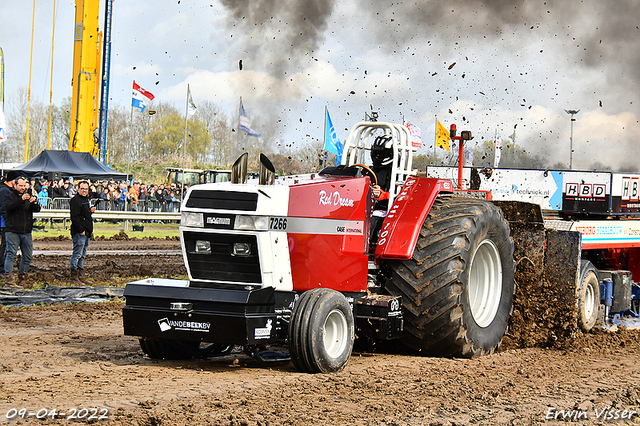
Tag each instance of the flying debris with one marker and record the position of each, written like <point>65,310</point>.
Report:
<point>452,65</point>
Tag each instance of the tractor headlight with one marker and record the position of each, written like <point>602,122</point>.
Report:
<point>203,247</point>
<point>192,219</point>
<point>251,223</point>
<point>242,249</point>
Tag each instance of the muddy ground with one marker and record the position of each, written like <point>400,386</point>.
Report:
<point>70,357</point>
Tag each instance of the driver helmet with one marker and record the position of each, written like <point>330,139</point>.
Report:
<point>382,150</point>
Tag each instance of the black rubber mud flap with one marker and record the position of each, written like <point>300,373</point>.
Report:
<point>178,349</point>
<point>461,241</point>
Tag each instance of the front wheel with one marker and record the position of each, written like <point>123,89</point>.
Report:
<point>457,289</point>
<point>321,331</point>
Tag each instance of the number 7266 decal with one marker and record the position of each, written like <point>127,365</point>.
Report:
<point>278,223</point>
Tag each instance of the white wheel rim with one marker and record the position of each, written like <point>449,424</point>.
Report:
<point>485,283</point>
<point>335,333</point>
<point>589,298</point>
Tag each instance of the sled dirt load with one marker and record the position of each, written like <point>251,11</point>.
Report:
<point>457,289</point>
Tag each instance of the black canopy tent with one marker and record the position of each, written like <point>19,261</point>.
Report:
<point>52,164</point>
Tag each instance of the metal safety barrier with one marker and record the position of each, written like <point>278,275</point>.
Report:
<point>111,205</point>
<point>110,215</point>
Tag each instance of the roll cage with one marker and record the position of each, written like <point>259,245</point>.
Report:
<point>358,145</point>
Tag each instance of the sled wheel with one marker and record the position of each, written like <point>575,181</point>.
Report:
<point>457,289</point>
<point>177,349</point>
<point>321,331</point>
<point>588,295</point>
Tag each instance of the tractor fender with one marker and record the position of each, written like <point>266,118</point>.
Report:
<point>401,227</point>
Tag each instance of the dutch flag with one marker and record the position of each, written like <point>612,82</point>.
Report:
<point>141,97</point>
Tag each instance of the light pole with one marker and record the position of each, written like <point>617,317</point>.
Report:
<point>571,112</point>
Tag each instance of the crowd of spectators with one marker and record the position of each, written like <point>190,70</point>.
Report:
<point>109,195</point>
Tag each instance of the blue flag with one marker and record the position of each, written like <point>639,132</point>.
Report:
<point>245,124</point>
<point>331,141</point>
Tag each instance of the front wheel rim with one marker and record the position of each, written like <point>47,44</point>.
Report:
<point>335,333</point>
<point>589,299</point>
<point>485,283</point>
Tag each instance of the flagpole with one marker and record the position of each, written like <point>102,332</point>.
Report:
<point>238,130</point>
<point>26,141</point>
<point>184,145</point>
<point>495,148</point>
<point>435,139</point>
<point>324,164</point>
<point>51,76</point>
<point>127,147</point>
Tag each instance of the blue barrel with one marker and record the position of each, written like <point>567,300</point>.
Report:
<point>606,290</point>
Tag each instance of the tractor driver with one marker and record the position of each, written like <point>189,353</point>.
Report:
<point>382,159</point>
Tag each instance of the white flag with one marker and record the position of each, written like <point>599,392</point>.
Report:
<point>468,158</point>
<point>496,160</point>
<point>245,123</point>
<point>191,107</point>
<point>415,132</point>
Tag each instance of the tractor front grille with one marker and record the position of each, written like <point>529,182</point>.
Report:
<point>223,200</point>
<point>221,265</point>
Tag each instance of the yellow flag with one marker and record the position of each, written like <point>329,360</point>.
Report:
<point>442,136</point>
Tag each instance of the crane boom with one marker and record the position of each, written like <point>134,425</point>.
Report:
<point>106,72</point>
<point>85,79</point>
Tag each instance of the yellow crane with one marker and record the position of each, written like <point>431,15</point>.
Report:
<point>86,81</point>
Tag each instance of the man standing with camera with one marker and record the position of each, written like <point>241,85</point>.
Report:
<point>81,230</point>
<point>19,206</point>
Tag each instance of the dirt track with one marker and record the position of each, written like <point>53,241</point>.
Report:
<point>75,356</point>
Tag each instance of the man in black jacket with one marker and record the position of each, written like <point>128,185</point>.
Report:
<point>81,230</point>
<point>19,206</point>
<point>5,188</point>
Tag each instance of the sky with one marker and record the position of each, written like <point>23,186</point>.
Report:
<point>488,66</point>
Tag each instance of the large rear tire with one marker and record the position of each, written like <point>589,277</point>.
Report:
<point>457,289</point>
<point>321,331</point>
<point>588,295</point>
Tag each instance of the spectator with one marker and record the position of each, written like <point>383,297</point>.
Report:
<point>114,196</point>
<point>104,198</point>
<point>5,188</point>
<point>58,190</point>
<point>173,202</point>
<point>20,207</point>
<point>143,198</point>
<point>81,230</point>
<point>93,191</point>
<point>166,197</point>
<point>71,191</point>
<point>122,199</point>
<point>153,199</point>
<point>160,197</point>
<point>35,184</point>
<point>132,196</point>
<point>43,197</point>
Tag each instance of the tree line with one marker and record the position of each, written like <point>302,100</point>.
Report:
<point>213,139</point>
